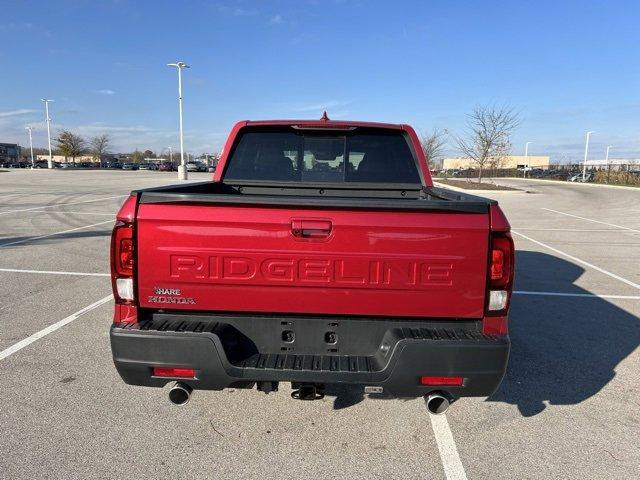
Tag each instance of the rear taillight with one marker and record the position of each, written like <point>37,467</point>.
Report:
<point>122,249</point>
<point>501,268</point>
<point>500,273</point>
<point>123,260</point>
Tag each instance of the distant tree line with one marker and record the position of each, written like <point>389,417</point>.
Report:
<point>72,145</point>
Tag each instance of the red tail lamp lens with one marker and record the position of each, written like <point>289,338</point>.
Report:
<point>442,381</point>
<point>501,261</point>
<point>126,254</point>
<point>497,264</point>
<point>123,250</point>
<point>174,372</point>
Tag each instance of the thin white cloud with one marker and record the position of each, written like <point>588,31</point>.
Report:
<point>21,111</point>
<point>235,11</point>
<point>276,20</point>
<point>106,91</point>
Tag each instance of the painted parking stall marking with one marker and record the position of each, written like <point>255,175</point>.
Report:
<point>591,220</point>
<point>579,260</point>
<point>453,468</point>
<point>51,328</point>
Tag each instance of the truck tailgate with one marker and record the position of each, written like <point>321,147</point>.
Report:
<point>229,258</point>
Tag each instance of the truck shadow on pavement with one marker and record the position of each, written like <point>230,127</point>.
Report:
<point>17,242</point>
<point>564,349</point>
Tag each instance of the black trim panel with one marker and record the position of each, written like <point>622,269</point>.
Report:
<point>404,351</point>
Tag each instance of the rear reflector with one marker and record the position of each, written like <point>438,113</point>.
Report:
<point>174,372</point>
<point>440,381</point>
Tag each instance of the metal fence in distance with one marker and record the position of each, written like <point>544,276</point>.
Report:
<point>612,174</point>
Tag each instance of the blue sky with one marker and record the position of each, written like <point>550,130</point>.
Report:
<point>567,66</point>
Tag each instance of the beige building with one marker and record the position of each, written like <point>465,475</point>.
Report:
<point>512,161</point>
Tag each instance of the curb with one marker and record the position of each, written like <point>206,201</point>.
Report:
<point>560,182</point>
<point>473,192</point>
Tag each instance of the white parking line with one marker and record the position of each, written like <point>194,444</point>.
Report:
<point>579,260</point>
<point>453,468</point>
<point>80,213</point>
<point>55,272</point>
<point>591,220</point>
<point>51,328</point>
<point>585,295</point>
<point>61,204</point>
<point>573,230</point>
<point>25,240</point>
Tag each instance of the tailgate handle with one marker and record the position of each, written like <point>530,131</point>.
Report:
<point>305,228</point>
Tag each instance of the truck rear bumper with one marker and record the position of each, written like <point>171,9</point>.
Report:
<point>237,351</point>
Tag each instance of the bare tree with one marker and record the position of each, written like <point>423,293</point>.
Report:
<point>100,146</point>
<point>433,143</point>
<point>488,136</point>
<point>70,145</point>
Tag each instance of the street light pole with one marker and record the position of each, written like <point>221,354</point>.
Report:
<point>48,119</point>
<point>586,152</point>
<point>170,154</point>
<point>182,169</point>
<point>607,156</point>
<point>526,159</point>
<point>29,128</point>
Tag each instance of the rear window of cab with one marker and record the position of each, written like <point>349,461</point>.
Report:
<point>290,155</point>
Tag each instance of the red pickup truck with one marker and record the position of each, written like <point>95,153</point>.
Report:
<point>320,254</point>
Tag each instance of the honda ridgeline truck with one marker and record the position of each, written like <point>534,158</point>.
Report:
<point>319,254</point>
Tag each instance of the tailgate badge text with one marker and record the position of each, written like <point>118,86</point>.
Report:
<point>171,296</point>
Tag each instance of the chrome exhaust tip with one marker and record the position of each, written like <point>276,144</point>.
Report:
<point>438,402</point>
<point>180,393</point>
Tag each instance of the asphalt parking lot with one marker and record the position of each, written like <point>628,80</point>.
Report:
<point>569,406</point>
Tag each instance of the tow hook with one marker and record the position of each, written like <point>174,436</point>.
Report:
<point>308,392</point>
<point>438,402</point>
<point>267,387</point>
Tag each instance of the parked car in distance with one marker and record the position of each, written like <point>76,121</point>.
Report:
<point>192,167</point>
<point>165,167</point>
<point>128,166</point>
<point>41,164</point>
<point>578,178</point>
<point>143,166</point>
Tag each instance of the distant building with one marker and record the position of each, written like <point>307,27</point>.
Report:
<point>9,152</point>
<point>510,162</point>
<point>616,164</point>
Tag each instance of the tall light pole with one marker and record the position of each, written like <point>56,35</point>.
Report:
<point>33,163</point>
<point>182,169</point>
<point>526,159</point>
<point>586,152</point>
<point>607,156</point>
<point>48,119</point>
<point>170,154</point>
